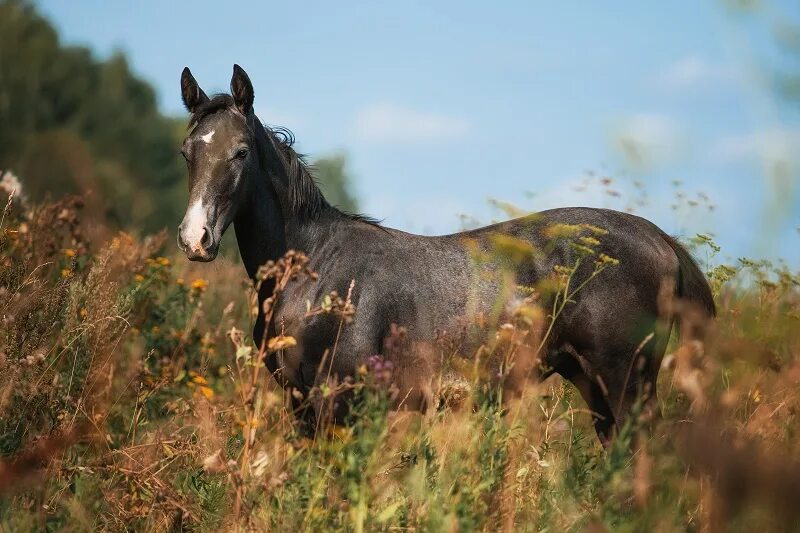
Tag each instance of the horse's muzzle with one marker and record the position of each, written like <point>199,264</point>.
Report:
<point>203,250</point>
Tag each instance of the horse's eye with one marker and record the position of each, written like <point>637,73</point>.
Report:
<point>241,153</point>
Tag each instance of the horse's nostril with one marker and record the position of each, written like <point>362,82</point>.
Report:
<point>181,242</point>
<point>205,242</point>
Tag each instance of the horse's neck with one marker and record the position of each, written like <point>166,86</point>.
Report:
<point>264,233</point>
<point>260,230</point>
<point>269,224</point>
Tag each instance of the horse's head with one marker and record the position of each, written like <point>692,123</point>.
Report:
<point>221,155</point>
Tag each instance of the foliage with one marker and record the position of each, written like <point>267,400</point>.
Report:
<point>133,400</point>
<point>335,182</point>
<point>72,123</point>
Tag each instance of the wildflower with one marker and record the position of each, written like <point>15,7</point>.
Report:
<point>260,464</point>
<point>281,342</point>
<point>197,378</point>
<point>589,241</point>
<point>138,278</point>
<point>607,260</point>
<point>582,250</point>
<point>163,261</point>
<point>755,395</point>
<point>179,281</point>
<point>82,312</point>
<point>554,231</point>
<point>65,272</point>
<point>199,285</point>
<point>595,229</point>
<point>215,463</point>
<point>380,368</point>
<point>208,392</point>
<point>505,332</point>
<point>10,184</point>
<point>69,252</point>
<point>155,330</point>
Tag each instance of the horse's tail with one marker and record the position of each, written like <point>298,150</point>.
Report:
<point>692,284</point>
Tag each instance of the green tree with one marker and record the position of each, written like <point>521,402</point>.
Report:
<point>335,182</point>
<point>73,123</point>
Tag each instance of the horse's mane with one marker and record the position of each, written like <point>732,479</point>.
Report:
<point>305,196</point>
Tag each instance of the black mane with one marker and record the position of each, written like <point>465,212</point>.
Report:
<point>306,198</point>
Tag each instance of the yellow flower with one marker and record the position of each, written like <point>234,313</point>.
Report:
<point>554,231</point>
<point>65,272</point>
<point>199,284</point>
<point>179,281</point>
<point>69,252</point>
<point>138,278</point>
<point>155,329</point>
<point>589,241</point>
<point>163,261</point>
<point>208,392</point>
<point>281,342</point>
<point>605,259</point>
<point>82,313</point>
<point>755,395</point>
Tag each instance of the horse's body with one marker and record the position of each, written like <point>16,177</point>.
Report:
<point>429,285</point>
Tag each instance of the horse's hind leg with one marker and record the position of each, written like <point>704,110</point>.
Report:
<point>593,394</point>
<point>631,388</point>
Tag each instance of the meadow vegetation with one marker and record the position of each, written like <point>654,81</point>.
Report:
<point>133,398</point>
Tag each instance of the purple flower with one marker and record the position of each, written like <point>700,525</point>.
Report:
<point>380,369</point>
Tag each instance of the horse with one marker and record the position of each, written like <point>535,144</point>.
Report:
<point>247,174</point>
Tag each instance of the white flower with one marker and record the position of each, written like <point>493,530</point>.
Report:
<point>11,185</point>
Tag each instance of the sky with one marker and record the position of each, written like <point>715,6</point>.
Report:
<point>447,109</point>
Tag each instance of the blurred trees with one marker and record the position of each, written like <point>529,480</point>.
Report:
<point>70,122</point>
<point>333,179</point>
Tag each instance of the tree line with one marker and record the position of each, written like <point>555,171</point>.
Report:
<point>73,123</point>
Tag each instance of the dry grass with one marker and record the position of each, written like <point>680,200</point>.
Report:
<point>131,399</point>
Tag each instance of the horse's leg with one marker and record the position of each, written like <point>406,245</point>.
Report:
<point>304,413</point>
<point>567,365</point>
<point>636,380</point>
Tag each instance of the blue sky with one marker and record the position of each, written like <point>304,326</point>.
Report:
<point>440,106</point>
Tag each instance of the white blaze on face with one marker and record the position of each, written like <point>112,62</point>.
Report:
<point>207,137</point>
<point>193,226</point>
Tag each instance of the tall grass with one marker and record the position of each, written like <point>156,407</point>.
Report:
<point>133,398</point>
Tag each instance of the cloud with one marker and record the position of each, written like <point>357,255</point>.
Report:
<point>386,122</point>
<point>770,145</point>
<point>648,138</point>
<point>693,72</point>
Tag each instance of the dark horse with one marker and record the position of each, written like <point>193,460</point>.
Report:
<point>242,172</point>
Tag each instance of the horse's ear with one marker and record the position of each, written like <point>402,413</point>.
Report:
<point>242,90</point>
<point>191,92</point>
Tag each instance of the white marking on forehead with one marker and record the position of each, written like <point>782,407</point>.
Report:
<point>208,136</point>
<point>193,225</point>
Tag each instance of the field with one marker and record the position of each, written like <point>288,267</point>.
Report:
<point>133,399</point>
